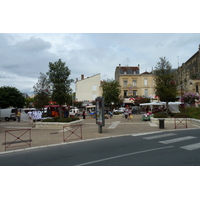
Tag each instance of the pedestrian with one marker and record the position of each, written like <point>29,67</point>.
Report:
<point>130,114</point>
<point>30,116</point>
<point>84,114</point>
<point>126,113</point>
<point>111,114</point>
<point>18,115</point>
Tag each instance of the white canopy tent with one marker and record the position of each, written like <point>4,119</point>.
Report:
<point>172,105</point>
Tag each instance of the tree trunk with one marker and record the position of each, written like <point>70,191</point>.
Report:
<point>167,108</point>
<point>60,111</point>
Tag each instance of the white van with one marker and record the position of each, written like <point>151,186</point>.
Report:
<point>74,112</point>
<point>8,114</point>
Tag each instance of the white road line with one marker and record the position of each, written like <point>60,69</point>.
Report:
<point>192,146</point>
<point>123,155</point>
<point>159,136</point>
<point>114,125</point>
<point>152,124</point>
<point>177,140</point>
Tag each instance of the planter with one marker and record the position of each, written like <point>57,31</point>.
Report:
<point>56,125</point>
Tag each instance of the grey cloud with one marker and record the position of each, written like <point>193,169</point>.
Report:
<point>33,44</point>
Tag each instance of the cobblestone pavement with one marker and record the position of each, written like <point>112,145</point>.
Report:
<point>41,137</point>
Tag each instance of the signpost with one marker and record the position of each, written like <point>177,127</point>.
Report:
<point>100,120</point>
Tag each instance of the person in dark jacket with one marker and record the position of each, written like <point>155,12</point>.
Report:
<point>83,114</point>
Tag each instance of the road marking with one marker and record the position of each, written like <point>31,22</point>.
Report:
<point>177,140</point>
<point>113,125</point>
<point>123,155</point>
<point>158,136</point>
<point>191,146</point>
<point>152,124</point>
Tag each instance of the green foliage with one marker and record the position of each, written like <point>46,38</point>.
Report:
<point>166,87</point>
<point>29,102</point>
<point>111,92</point>
<point>191,112</point>
<point>64,120</point>
<point>42,91</point>
<point>77,104</point>
<point>59,79</point>
<point>180,115</point>
<point>140,100</point>
<point>160,115</point>
<point>11,96</point>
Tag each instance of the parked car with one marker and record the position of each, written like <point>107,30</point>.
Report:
<point>74,112</point>
<point>120,110</point>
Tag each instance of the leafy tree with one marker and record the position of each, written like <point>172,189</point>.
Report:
<point>111,92</point>
<point>11,96</point>
<point>166,87</point>
<point>59,79</point>
<point>29,102</point>
<point>139,100</point>
<point>42,91</point>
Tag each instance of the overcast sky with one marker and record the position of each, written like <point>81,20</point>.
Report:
<point>26,47</point>
<point>24,56</point>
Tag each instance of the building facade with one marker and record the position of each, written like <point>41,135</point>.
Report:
<point>88,89</point>
<point>133,84</point>
<point>187,76</point>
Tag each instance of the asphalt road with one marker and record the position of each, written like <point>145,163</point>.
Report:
<point>167,148</point>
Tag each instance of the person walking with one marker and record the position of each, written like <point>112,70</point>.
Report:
<point>83,114</point>
<point>30,116</point>
<point>18,115</point>
<point>130,114</point>
<point>126,113</point>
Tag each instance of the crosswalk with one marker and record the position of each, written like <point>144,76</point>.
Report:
<point>176,139</point>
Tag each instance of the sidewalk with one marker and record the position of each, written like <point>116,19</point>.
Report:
<point>113,127</point>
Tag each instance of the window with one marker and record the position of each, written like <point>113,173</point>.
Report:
<point>134,82</point>
<point>146,93</point>
<point>129,71</point>
<point>121,71</point>
<point>145,82</point>
<point>134,93</point>
<point>125,83</point>
<point>125,93</point>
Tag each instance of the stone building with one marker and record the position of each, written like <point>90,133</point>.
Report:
<point>133,84</point>
<point>188,75</point>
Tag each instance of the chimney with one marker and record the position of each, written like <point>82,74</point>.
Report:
<point>119,65</point>
<point>82,76</point>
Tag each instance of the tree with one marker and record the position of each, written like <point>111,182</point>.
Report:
<point>11,96</point>
<point>111,92</point>
<point>166,87</point>
<point>42,91</point>
<point>59,79</point>
<point>139,100</point>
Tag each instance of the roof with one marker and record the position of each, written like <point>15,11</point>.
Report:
<point>126,68</point>
<point>147,73</point>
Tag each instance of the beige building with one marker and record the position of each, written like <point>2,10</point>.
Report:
<point>133,84</point>
<point>188,75</point>
<point>88,89</point>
